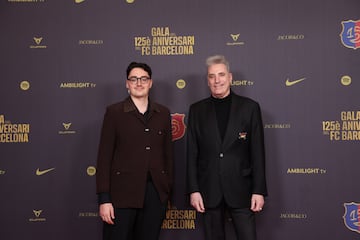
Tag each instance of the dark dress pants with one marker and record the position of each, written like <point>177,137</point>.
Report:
<point>138,223</point>
<point>243,220</point>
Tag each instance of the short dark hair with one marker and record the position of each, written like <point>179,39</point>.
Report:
<point>143,66</point>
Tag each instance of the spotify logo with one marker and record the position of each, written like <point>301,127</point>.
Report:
<point>24,85</point>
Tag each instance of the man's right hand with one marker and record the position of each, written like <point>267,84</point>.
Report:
<point>197,202</point>
<point>106,211</point>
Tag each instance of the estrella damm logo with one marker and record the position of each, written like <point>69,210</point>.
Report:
<point>350,34</point>
<point>178,126</point>
<point>352,216</point>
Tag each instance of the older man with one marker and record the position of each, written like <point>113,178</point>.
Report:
<point>225,156</point>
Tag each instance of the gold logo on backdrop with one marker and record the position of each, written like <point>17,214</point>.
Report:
<point>13,132</point>
<point>277,125</point>
<point>26,1</point>
<point>88,214</point>
<point>235,37</point>
<point>37,40</point>
<point>67,130</point>
<point>163,42</point>
<point>91,170</point>
<point>289,82</point>
<point>242,83</point>
<point>77,85</point>
<point>79,1</point>
<point>37,214</point>
<point>2,172</point>
<point>38,44</point>
<point>235,40</point>
<point>298,216</point>
<point>305,171</point>
<point>179,219</point>
<point>42,172</point>
<point>24,85</point>
<point>180,83</point>
<point>67,126</point>
<point>291,37</point>
<point>346,80</point>
<point>91,42</point>
<point>345,129</point>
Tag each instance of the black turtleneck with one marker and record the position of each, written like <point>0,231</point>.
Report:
<point>222,109</point>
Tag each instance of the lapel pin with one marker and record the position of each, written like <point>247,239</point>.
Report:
<point>242,135</point>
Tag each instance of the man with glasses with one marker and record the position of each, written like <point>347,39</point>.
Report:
<point>135,162</point>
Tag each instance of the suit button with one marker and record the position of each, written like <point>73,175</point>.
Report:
<point>147,148</point>
<point>147,130</point>
<point>221,155</point>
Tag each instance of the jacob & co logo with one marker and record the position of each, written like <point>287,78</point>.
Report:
<point>277,125</point>
<point>91,42</point>
<point>352,216</point>
<point>350,34</point>
<point>178,126</point>
<point>88,214</point>
<point>286,37</point>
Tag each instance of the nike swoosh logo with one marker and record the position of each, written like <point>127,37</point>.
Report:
<point>42,172</point>
<point>289,83</point>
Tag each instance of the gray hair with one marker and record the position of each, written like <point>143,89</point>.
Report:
<point>217,59</point>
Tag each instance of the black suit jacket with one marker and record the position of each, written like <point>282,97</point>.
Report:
<point>234,168</point>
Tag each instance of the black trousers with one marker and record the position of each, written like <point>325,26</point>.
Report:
<point>243,220</point>
<point>138,223</point>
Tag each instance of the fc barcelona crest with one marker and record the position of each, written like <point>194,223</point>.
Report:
<point>350,34</point>
<point>352,216</point>
<point>178,126</point>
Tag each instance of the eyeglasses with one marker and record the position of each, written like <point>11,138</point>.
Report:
<point>134,80</point>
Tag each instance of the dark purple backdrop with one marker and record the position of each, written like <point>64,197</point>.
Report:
<point>63,62</point>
